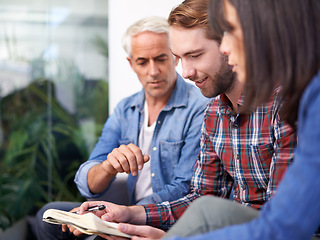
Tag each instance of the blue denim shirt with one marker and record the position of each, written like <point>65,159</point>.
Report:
<point>294,211</point>
<point>175,142</point>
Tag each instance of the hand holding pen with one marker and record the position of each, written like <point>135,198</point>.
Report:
<point>93,208</point>
<point>113,212</point>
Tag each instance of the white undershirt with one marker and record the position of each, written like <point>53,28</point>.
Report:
<point>143,185</point>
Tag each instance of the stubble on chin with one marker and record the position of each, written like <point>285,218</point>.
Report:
<point>223,80</point>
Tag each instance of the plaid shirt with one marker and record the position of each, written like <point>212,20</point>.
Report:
<point>250,151</point>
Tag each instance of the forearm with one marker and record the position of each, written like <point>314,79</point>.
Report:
<point>165,214</point>
<point>137,215</point>
<point>99,179</point>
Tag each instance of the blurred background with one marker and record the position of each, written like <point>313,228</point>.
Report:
<point>62,71</point>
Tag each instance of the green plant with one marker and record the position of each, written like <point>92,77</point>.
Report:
<point>42,149</point>
<point>101,45</point>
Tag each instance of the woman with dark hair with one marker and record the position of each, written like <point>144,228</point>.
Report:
<point>277,43</point>
<point>281,45</point>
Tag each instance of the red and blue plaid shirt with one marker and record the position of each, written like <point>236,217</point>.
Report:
<point>250,151</point>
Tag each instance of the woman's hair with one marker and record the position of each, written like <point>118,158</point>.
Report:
<point>193,14</point>
<point>150,24</point>
<point>282,46</point>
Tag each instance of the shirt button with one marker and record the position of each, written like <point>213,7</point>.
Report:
<point>238,156</point>
<point>243,187</point>
<point>154,148</point>
<point>159,122</point>
<point>152,174</point>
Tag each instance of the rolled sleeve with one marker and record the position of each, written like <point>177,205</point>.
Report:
<point>81,178</point>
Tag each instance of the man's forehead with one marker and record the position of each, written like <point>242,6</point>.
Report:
<point>200,31</point>
<point>150,48</point>
<point>148,41</point>
<point>149,56</point>
<point>187,41</point>
<point>148,36</point>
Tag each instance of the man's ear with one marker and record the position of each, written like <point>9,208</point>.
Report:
<point>130,62</point>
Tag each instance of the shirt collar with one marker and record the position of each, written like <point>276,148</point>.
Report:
<point>225,103</point>
<point>179,96</point>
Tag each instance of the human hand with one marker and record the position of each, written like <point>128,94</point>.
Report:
<point>72,229</point>
<point>95,210</point>
<point>112,212</point>
<point>126,158</point>
<point>139,232</point>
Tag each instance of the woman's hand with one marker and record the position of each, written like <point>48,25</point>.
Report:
<point>139,232</point>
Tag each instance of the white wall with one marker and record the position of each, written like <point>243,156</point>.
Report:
<point>122,13</point>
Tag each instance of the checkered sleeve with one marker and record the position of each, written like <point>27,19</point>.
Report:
<point>165,214</point>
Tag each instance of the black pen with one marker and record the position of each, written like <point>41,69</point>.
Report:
<point>93,208</point>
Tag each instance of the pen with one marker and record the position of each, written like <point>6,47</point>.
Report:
<point>93,208</point>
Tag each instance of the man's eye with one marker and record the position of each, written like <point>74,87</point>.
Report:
<point>162,59</point>
<point>195,56</point>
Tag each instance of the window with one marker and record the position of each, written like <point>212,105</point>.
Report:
<point>53,98</point>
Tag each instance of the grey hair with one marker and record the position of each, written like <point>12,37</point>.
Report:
<point>150,24</point>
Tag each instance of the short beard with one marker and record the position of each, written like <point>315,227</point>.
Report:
<point>223,79</point>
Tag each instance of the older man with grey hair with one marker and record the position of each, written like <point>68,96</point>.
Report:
<point>152,135</point>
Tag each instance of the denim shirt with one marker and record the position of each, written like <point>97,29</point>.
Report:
<point>174,148</point>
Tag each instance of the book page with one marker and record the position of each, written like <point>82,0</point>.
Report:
<point>87,223</point>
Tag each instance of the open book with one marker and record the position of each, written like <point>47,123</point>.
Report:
<point>87,223</point>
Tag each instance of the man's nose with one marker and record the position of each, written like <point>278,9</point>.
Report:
<point>154,69</point>
<point>188,70</point>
